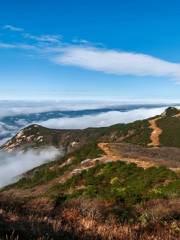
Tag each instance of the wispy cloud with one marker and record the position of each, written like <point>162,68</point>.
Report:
<point>81,53</point>
<point>13,28</point>
<point>7,45</point>
<point>41,44</point>
<point>44,38</point>
<point>21,46</point>
<point>118,62</point>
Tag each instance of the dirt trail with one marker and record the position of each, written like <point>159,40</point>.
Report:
<point>109,153</point>
<point>115,155</point>
<point>155,133</point>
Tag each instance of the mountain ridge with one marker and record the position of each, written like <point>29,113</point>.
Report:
<point>38,135</point>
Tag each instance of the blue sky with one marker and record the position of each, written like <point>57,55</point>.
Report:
<point>122,50</point>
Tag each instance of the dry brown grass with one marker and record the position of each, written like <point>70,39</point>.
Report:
<point>85,219</point>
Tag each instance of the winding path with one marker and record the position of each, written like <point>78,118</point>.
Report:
<point>155,133</point>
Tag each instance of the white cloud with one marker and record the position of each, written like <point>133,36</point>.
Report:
<point>41,38</point>
<point>102,119</point>
<point>118,62</point>
<point>21,122</point>
<point>5,129</point>
<point>13,165</point>
<point>18,46</point>
<point>3,140</point>
<point>44,38</point>
<point>13,28</point>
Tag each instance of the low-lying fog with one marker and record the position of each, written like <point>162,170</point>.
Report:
<point>13,165</point>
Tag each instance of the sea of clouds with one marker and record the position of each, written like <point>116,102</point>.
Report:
<point>102,119</point>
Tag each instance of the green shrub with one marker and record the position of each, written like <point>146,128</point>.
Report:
<point>126,183</point>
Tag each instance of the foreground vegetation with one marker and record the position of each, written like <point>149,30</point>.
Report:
<point>109,201</point>
<point>122,182</point>
<point>99,219</point>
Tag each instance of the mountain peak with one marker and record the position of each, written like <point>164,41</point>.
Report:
<point>171,111</point>
<point>31,136</point>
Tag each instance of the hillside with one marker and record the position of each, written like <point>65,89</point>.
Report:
<point>118,182</point>
<point>35,136</point>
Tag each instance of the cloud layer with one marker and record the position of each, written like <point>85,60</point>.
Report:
<point>102,119</point>
<point>13,108</point>
<point>12,166</point>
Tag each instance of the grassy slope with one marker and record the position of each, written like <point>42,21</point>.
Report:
<point>137,132</point>
<point>170,131</point>
<point>122,182</point>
